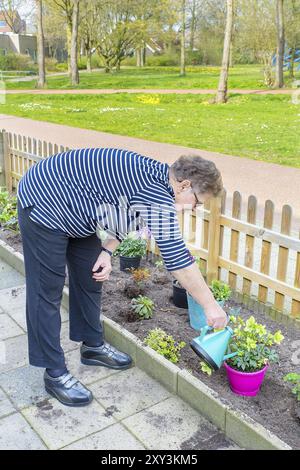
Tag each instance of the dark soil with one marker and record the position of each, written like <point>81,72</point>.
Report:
<point>274,407</point>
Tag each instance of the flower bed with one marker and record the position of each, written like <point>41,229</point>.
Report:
<point>274,407</point>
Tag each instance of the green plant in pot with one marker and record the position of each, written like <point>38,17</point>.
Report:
<point>256,348</point>
<point>131,251</point>
<point>164,344</point>
<point>221,292</point>
<point>143,307</point>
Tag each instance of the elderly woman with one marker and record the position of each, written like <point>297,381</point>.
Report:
<point>62,201</point>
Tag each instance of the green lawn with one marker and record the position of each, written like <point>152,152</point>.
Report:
<point>259,127</point>
<point>246,77</point>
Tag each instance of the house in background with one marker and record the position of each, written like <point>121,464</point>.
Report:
<point>13,37</point>
<point>18,44</point>
<point>12,23</point>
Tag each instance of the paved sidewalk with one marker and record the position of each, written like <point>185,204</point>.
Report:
<point>264,180</point>
<point>130,409</point>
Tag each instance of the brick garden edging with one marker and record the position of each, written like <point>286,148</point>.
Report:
<point>236,425</point>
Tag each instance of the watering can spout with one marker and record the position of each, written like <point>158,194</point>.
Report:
<point>228,356</point>
<point>212,348</point>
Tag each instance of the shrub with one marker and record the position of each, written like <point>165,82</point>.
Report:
<point>17,62</point>
<point>294,379</point>
<point>163,60</point>
<point>164,344</point>
<point>254,345</point>
<point>131,247</point>
<point>220,290</point>
<point>8,211</point>
<point>97,62</point>
<point>143,307</point>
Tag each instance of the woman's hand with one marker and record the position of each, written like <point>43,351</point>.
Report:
<point>216,316</point>
<point>103,265</point>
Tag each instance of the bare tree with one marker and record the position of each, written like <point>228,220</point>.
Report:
<point>66,9</point>
<point>88,29</point>
<point>9,9</point>
<point>183,28</point>
<point>40,45</point>
<point>74,44</point>
<point>116,32</point>
<point>221,96</point>
<point>279,79</point>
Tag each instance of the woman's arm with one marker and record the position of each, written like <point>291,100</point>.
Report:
<point>192,280</point>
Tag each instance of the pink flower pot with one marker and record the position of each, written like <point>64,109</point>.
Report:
<point>245,383</point>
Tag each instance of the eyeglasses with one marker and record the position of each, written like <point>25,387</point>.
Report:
<point>198,203</point>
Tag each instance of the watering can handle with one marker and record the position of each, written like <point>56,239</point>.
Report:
<point>204,330</point>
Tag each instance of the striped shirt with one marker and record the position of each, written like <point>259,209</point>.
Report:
<point>82,190</point>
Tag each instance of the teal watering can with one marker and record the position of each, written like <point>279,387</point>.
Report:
<point>212,348</point>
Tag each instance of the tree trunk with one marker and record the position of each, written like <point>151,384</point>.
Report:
<point>69,46</point>
<point>221,96</point>
<point>193,24</point>
<point>292,60</point>
<point>279,80</point>
<point>89,60</point>
<point>74,45</point>
<point>182,54</point>
<point>138,57</point>
<point>40,45</point>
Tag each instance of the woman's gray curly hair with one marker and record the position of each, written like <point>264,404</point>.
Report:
<point>203,174</point>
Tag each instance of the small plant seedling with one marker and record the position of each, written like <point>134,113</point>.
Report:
<point>220,290</point>
<point>294,379</point>
<point>140,275</point>
<point>206,369</point>
<point>143,307</point>
<point>159,263</point>
<point>164,344</point>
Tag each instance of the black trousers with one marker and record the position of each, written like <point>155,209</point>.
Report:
<point>46,254</point>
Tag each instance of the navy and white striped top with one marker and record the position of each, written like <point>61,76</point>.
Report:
<point>115,190</point>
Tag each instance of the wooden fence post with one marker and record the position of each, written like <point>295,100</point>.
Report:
<point>7,161</point>
<point>214,239</point>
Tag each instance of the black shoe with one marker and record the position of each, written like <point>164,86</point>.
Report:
<point>105,355</point>
<point>68,390</point>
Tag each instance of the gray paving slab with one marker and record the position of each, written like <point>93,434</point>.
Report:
<point>9,277</point>
<point>6,406</point>
<point>115,437</point>
<point>59,425</point>
<point>16,434</point>
<point>9,328</point>
<point>169,425</point>
<point>13,297</point>
<point>13,353</point>
<point>24,386</point>
<point>128,392</point>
